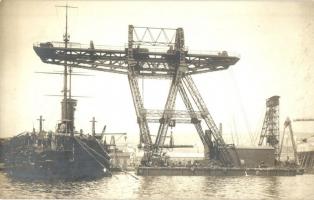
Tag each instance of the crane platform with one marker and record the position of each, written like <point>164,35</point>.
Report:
<point>215,171</point>
<point>152,63</point>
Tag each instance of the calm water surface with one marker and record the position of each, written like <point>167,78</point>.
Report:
<point>123,186</point>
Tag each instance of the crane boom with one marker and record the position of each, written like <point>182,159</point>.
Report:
<point>155,64</point>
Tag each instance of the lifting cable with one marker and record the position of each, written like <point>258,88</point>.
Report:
<point>232,138</point>
<point>234,125</point>
<point>239,100</point>
<point>143,90</point>
<point>258,128</point>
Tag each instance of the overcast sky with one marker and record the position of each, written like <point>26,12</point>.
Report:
<point>274,39</point>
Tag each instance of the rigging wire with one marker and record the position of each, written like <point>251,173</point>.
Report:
<point>59,26</point>
<point>239,100</point>
<point>171,139</point>
<point>232,138</point>
<point>60,19</point>
<point>258,128</point>
<point>235,130</point>
<point>143,90</point>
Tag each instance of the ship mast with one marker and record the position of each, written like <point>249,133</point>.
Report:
<point>65,80</point>
<point>67,113</point>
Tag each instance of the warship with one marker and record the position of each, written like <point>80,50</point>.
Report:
<point>62,154</point>
<point>55,155</point>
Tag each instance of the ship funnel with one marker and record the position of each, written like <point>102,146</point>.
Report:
<point>68,109</point>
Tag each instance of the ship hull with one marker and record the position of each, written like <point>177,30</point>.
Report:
<point>81,159</point>
<point>43,173</point>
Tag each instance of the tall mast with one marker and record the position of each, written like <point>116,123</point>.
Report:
<point>66,46</point>
<point>65,80</point>
<point>41,120</point>
<point>66,97</point>
<point>93,127</point>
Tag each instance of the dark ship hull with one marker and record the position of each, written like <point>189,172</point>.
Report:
<point>65,157</point>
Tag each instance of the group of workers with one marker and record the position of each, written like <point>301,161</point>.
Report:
<point>43,140</point>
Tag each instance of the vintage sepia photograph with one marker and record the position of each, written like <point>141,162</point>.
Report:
<point>156,99</point>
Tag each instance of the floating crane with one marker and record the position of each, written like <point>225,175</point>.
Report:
<point>140,59</point>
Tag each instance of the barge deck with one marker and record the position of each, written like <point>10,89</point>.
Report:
<point>221,171</point>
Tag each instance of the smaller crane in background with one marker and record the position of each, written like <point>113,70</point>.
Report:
<point>288,125</point>
<point>270,129</point>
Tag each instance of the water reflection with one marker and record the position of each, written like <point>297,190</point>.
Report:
<point>271,186</point>
<point>217,187</point>
<point>123,186</point>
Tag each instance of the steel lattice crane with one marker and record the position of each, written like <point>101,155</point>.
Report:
<point>270,129</point>
<point>140,60</point>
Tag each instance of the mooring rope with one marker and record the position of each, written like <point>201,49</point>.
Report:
<point>91,149</point>
<point>102,148</point>
<point>84,147</point>
<point>90,153</point>
<point>130,174</point>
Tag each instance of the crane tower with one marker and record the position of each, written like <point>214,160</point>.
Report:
<point>270,129</point>
<point>140,59</point>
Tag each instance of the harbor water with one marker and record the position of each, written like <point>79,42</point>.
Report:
<point>126,186</point>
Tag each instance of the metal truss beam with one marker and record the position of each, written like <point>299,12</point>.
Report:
<point>150,113</point>
<point>224,153</point>
<point>195,119</point>
<point>180,70</point>
<point>145,136</point>
<point>153,64</point>
<point>174,120</point>
<point>153,36</point>
<point>166,119</point>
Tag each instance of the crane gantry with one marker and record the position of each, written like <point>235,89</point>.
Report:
<point>140,59</point>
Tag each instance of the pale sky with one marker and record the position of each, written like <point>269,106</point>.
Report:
<point>274,39</point>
